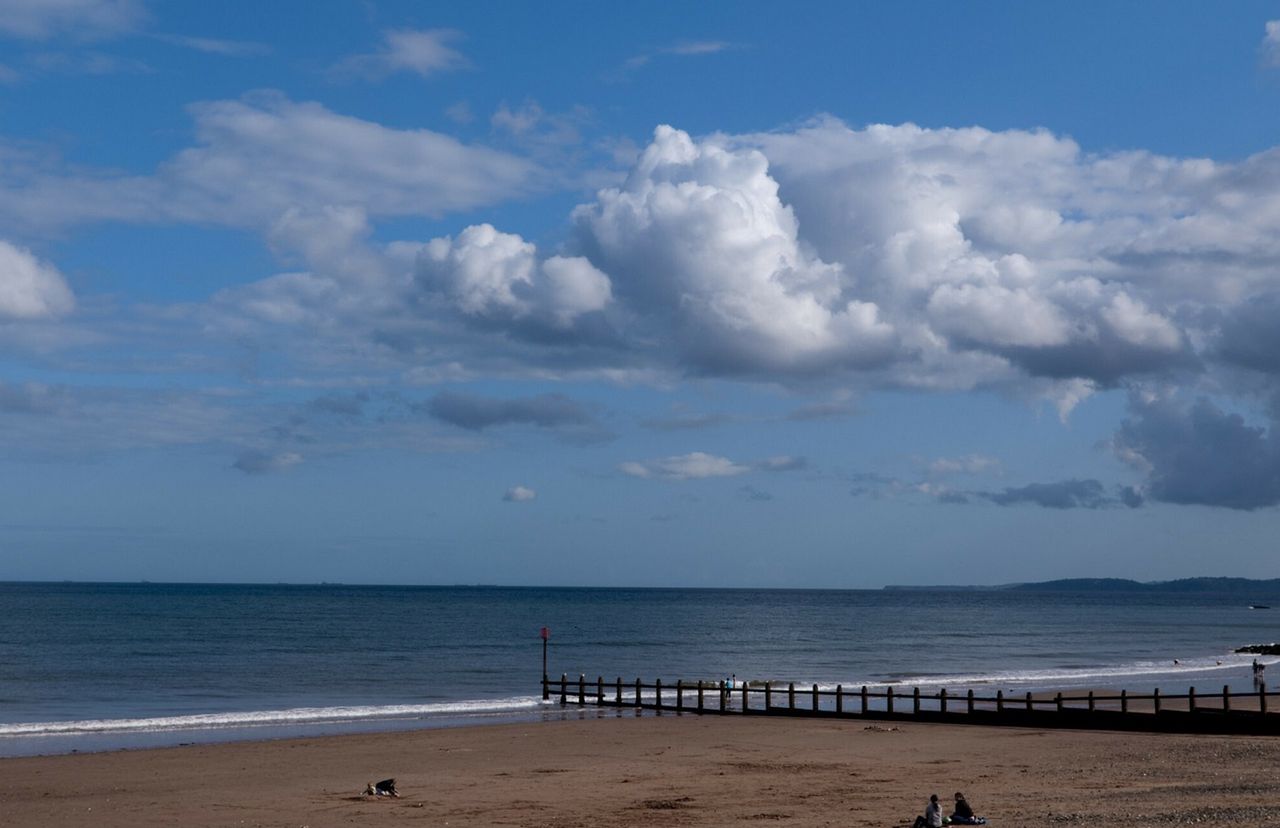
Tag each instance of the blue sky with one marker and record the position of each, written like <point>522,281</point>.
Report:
<point>717,294</point>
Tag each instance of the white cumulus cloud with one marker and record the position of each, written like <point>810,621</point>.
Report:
<point>698,240</point>
<point>487,273</point>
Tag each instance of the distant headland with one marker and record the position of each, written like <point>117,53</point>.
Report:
<point>1234,585</point>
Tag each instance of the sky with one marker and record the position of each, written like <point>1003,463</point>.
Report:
<point>717,294</point>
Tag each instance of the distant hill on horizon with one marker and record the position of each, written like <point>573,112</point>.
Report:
<point>1204,584</point>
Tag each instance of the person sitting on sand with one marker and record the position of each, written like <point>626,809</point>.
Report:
<point>932,815</point>
<point>964,813</point>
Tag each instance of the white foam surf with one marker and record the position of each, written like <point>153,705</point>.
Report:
<point>273,718</point>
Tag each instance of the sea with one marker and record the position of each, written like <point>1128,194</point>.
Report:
<point>92,667</point>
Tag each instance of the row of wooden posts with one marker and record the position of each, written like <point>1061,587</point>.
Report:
<point>1231,712</point>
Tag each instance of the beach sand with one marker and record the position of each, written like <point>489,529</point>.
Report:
<point>661,771</point>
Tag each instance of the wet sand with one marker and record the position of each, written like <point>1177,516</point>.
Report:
<point>660,771</point>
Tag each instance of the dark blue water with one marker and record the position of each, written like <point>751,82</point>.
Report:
<point>86,666</point>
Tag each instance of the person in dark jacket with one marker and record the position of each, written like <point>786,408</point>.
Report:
<point>964,814</point>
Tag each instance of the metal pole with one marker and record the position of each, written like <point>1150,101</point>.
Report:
<point>545,632</point>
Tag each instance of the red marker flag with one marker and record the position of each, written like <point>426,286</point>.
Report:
<point>546,633</point>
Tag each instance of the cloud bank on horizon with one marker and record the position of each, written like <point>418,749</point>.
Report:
<point>822,260</point>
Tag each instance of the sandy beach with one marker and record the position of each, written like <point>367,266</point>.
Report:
<point>667,770</point>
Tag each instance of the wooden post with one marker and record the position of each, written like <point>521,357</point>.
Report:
<point>700,705</point>
<point>970,699</point>
<point>1191,700</point>
<point>599,691</point>
<point>637,700</point>
<point>1090,701</point>
<point>746,698</point>
<point>679,694</point>
<point>839,698</point>
<point>582,689</point>
<point>657,695</point>
<point>815,698</point>
<point>999,701</point>
<point>942,700</point>
<point>564,682</point>
<point>546,687</point>
<point>1057,701</point>
<point>915,700</point>
<point>617,692</point>
<point>864,699</point>
<point>1262,699</point>
<point>888,699</point>
<point>1028,701</point>
<point>1124,701</point>
<point>768,694</point>
<point>1155,699</point>
<point>791,695</point>
<point>724,695</point>
<point>1226,699</point>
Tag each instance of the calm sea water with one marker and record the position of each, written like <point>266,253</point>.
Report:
<point>94,666</point>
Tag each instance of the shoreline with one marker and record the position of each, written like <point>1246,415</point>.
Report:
<point>101,735</point>
<point>660,770</point>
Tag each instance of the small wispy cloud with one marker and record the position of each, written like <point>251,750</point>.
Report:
<point>697,47</point>
<point>519,494</point>
<point>967,464</point>
<point>1064,494</point>
<point>823,411</point>
<point>460,113</point>
<point>686,422</point>
<point>214,46</point>
<point>83,19</point>
<point>683,48</point>
<point>422,52</point>
<point>699,465</point>
<point>85,63</point>
<point>695,465</point>
<point>1271,43</point>
<point>782,462</point>
<point>477,413</point>
<point>261,462</point>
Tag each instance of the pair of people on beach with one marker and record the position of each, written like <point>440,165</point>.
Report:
<point>963,814</point>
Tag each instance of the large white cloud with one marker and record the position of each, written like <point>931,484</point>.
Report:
<point>884,256</point>
<point>698,241</point>
<point>1019,246</point>
<point>30,288</point>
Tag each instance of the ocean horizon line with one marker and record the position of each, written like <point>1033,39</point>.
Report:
<point>1081,583</point>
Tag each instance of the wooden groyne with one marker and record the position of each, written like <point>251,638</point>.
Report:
<point>1251,713</point>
